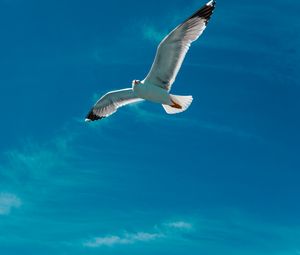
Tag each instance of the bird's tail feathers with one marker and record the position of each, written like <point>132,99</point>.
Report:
<point>181,104</point>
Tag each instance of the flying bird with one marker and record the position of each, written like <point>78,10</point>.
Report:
<point>157,84</point>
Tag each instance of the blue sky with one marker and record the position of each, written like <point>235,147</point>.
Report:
<point>222,177</point>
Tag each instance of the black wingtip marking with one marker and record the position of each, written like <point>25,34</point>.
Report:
<point>92,116</point>
<point>205,12</point>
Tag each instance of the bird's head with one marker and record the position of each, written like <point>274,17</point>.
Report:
<point>136,82</point>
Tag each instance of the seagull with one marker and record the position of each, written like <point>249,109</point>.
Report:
<point>157,84</point>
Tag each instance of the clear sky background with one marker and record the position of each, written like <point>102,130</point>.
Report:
<point>220,178</point>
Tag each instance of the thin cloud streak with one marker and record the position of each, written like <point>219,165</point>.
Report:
<point>128,238</point>
<point>34,160</point>
<point>167,230</point>
<point>8,201</point>
<point>182,225</point>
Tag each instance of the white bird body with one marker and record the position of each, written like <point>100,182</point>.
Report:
<point>157,84</point>
<point>151,92</point>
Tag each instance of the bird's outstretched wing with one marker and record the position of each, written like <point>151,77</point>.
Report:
<point>173,48</point>
<point>110,102</point>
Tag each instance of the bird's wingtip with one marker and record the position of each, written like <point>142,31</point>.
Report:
<point>92,117</point>
<point>211,3</point>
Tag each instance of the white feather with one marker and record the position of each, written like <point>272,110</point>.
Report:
<point>173,48</point>
<point>110,102</point>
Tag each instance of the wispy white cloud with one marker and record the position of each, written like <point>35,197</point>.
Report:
<point>127,238</point>
<point>181,225</point>
<point>8,201</point>
<point>230,225</point>
<point>166,230</point>
<point>35,160</point>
